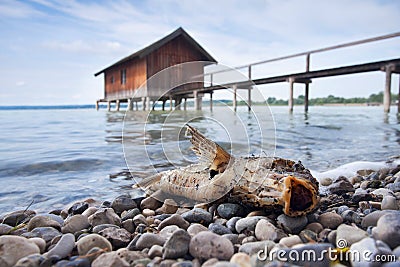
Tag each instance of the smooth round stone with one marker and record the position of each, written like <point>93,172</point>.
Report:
<point>63,248</point>
<point>167,231</point>
<point>330,220</point>
<point>90,241</point>
<point>131,256</point>
<point>97,229</point>
<point>383,192</point>
<point>148,212</point>
<point>350,234</point>
<point>46,233</point>
<point>315,227</point>
<point>130,214</point>
<point>39,242</point>
<point>332,237</point>
<point>206,245</point>
<point>229,210</point>
<point>341,209</point>
<point>168,207</point>
<point>231,223</point>
<point>219,229</point>
<point>389,203</point>
<point>147,240</point>
<point>5,229</point>
<point>177,245</point>
<point>42,221</point>
<point>93,253</point>
<point>248,223</point>
<point>255,247</point>
<point>155,251</point>
<point>308,236</point>
<point>122,203</point>
<point>372,218</point>
<point>110,259</point>
<point>351,216</point>
<point>292,225</point>
<point>32,260</point>
<point>388,229</point>
<point>139,219</point>
<point>17,217</point>
<point>241,259</point>
<point>182,264</point>
<point>196,228</point>
<point>210,262</point>
<point>369,247</point>
<point>129,225</point>
<point>267,231</point>
<point>319,249</point>
<point>395,187</point>
<point>104,216</point>
<point>234,238</point>
<point>290,241</point>
<point>326,181</point>
<point>198,215</point>
<point>90,211</point>
<point>119,237</point>
<point>341,186</point>
<point>175,219</point>
<point>14,248</point>
<point>150,203</point>
<point>75,223</point>
<point>78,208</point>
<point>249,239</point>
<point>74,262</point>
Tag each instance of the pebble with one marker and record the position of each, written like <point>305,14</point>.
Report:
<point>241,259</point>
<point>14,248</point>
<point>255,247</point>
<point>122,203</point>
<point>290,241</point>
<point>42,221</point>
<point>110,259</point>
<point>234,238</point>
<point>46,233</point>
<point>147,240</point>
<point>197,215</point>
<point>265,230</point>
<point>387,229</point>
<point>5,229</point>
<point>382,192</point>
<point>326,181</point>
<point>210,262</point>
<point>101,227</point>
<point>150,203</point>
<point>330,220</point>
<point>319,249</point>
<point>395,187</point>
<point>130,256</point>
<point>196,228</point>
<point>63,248</point>
<point>175,219</point>
<point>155,251</point>
<point>40,243</point>
<point>389,203</point>
<point>17,217</point>
<point>229,210</point>
<point>351,234</point>
<point>369,247</point>
<point>90,211</point>
<point>104,216</point>
<point>340,186</point>
<point>148,212</point>
<point>168,207</point>
<point>315,227</point>
<point>32,260</point>
<point>292,225</point>
<point>351,216</point>
<point>219,229</point>
<point>206,245</point>
<point>130,214</point>
<point>75,223</point>
<point>74,262</point>
<point>372,218</point>
<point>248,223</point>
<point>308,236</point>
<point>231,223</point>
<point>139,219</point>
<point>167,231</point>
<point>90,241</point>
<point>177,245</point>
<point>119,237</point>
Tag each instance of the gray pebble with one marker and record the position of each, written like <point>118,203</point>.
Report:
<point>340,186</point>
<point>231,223</point>
<point>14,248</point>
<point>129,214</point>
<point>177,245</point>
<point>367,246</point>
<point>90,241</point>
<point>122,203</point>
<point>372,218</point>
<point>46,233</point>
<point>330,220</point>
<point>101,227</point>
<point>255,247</point>
<point>229,210</point>
<point>389,203</point>
<point>267,231</point>
<point>219,229</point>
<point>118,237</point>
<point>175,219</point>
<point>63,248</point>
<point>206,245</point>
<point>104,216</point>
<point>150,203</point>
<point>387,229</point>
<point>292,225</point>
<point>17,217</point>
<point>110,259</point>
<point>198,215</point>
<point>43,221</point>
<point>395,187</point>
<point>248,223</point>
<point>75,223</point>
<point>147,240</point>
<point>318,248</point>
<point>351,216</point>
<point>32,260</point>
<point>350,234</point>
<point>196,228</point>
<point>155,251</point>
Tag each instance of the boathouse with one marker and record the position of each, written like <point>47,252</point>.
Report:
<point>127,80</point>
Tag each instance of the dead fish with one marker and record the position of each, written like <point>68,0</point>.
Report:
<point>269,183</point>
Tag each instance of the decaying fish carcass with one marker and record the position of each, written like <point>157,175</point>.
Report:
<point>263,182</point>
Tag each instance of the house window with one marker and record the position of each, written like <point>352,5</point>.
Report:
<point>112,79</point>
<point>123,76</point>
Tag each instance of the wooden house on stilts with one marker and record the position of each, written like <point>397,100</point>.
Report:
<point>131,79</point>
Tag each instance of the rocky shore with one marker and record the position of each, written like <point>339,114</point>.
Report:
<point>358,214</point>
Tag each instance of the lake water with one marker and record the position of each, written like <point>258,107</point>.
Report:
<point>56,156</point>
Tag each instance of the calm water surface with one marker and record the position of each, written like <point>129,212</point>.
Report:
<point>55,157</point>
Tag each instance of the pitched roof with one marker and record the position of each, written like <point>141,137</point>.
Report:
<point>147,50</point>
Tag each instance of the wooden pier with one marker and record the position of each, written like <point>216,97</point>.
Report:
<point>177,95</point>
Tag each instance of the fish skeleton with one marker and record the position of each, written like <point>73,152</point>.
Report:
<point>269,183</point>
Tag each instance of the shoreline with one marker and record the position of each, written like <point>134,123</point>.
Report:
<point>133,230</point>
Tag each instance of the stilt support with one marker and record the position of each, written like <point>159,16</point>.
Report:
<point>170,102</point>
<point>387,92</point>
<point>108,105</point>
<point>130,104</point>
<point>185,104</point>
<point>97,105</point>
<point>211,101</point>
<point>306,96</point>
<point>291,83</point>
<point>143,103</point>
<point>163,104</point>
<point>234,103</point>
<point>148,103</point>
<point>249,98</point>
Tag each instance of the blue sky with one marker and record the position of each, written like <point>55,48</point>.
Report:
<point>50,49</point>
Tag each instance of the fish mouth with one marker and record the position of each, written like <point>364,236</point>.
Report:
<point>300,196</point>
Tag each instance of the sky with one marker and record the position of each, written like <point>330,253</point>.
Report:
<point>50,49</point>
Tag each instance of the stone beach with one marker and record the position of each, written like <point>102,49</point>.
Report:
<point>359,213</point>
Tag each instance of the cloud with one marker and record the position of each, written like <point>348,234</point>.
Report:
<point>20,83</point>
<point>81,46</point>
<point>17,9</point>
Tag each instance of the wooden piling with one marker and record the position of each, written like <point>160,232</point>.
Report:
<point>117,105</point>
<point>184,104</point>
<point>234,103</point>
<point>108,105</point>
<point>170,102</point>
<point>249,98</point>
<point>130,105</point>
<point>306,96</point>
<point>387,92</point>
<point>143,103</point>
<point>211,101</point>
<point>97,105</point>
<point>290,102</point>
<point>398,98</point>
